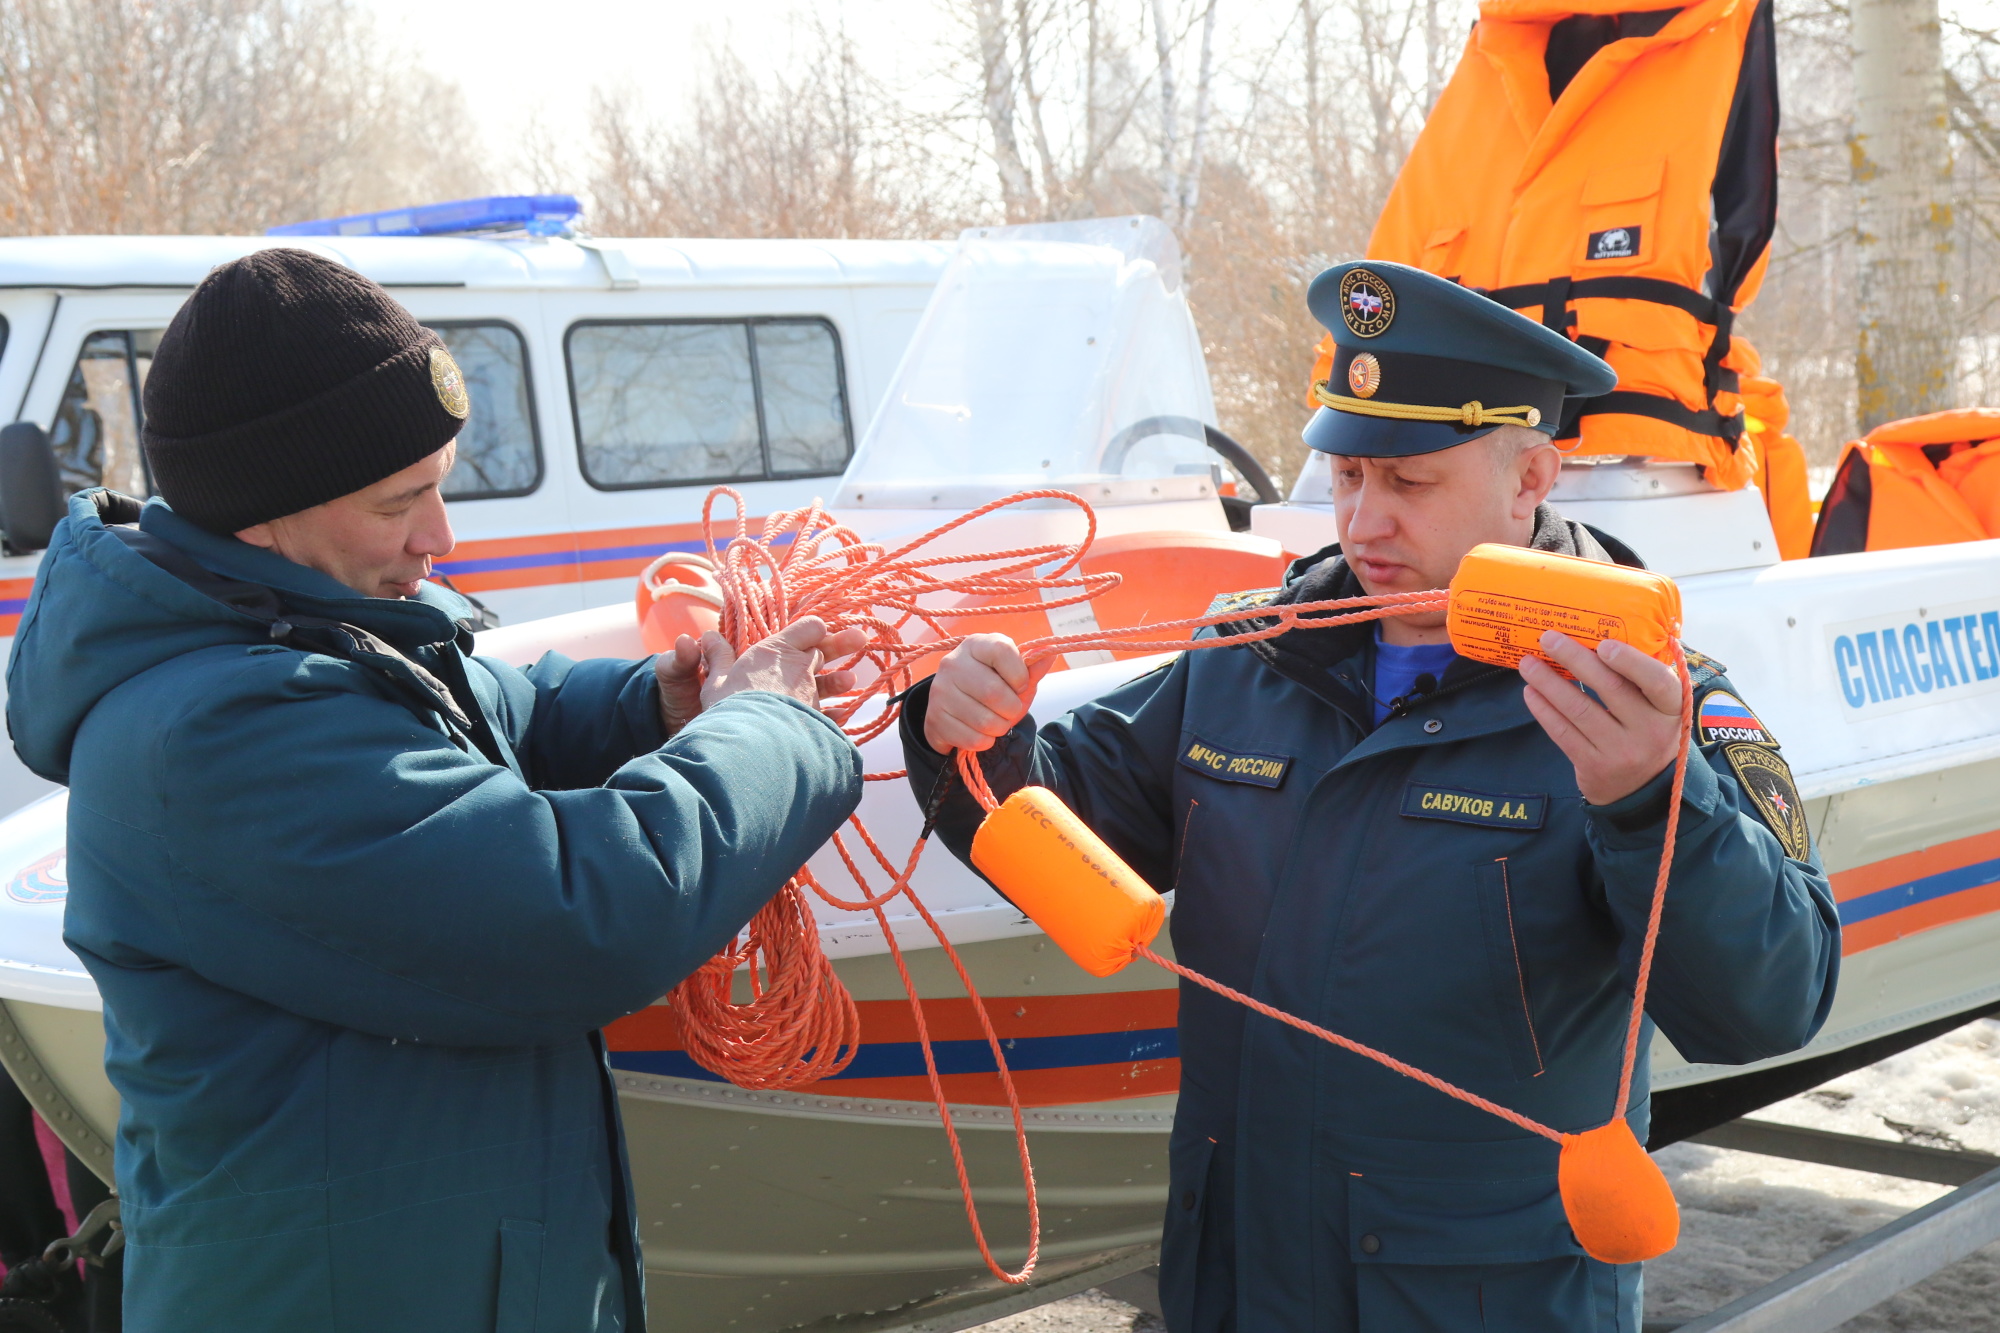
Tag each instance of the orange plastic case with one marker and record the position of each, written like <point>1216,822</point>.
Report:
<point>1095,907</point>
<point>1504,598</point>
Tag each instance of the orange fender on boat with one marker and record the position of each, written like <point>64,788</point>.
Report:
<point>1096,908</point>
<point>1618,1204</point>
<point>1168,575</point>
<point>1503,598</point>
<point>677,595</point>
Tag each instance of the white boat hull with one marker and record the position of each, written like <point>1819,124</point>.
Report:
<point>753,1204</point>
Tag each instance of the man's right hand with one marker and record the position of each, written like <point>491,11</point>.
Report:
<point>790,662</point>
<point>982,688</point>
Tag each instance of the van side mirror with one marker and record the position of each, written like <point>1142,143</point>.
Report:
<point>31,495</point>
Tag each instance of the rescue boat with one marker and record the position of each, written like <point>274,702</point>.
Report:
<point>1064,356</point>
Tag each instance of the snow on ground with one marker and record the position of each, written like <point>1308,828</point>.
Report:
<point>1747,1219</point>
<point>1092,1312</point>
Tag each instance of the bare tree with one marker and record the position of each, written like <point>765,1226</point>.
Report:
<point>1180,186</point>
<point>997,65</point>
<point>1972,91</point>
<point>1059,99</point>
<point>1904,357</point>
<point>1806,319</point>
<point>1170,175</point>
<point>820,151</point>
<point>1204,106</point>
<point>214,115</point>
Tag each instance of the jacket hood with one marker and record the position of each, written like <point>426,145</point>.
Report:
<point>101,614</point>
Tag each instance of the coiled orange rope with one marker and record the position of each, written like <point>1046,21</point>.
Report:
<point>798,1023</point>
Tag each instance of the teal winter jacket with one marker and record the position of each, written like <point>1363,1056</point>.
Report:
<point>1436,887</point>
<point>353,955</point>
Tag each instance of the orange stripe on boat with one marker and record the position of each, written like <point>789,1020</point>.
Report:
<point>1895,870</point>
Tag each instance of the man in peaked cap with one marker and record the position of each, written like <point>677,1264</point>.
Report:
<point>358,901</point>
<point>1446,860</point>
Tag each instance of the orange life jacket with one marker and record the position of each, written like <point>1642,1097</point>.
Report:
<point>1922,481</point>
<point>1591,210</point>
<point>1781,463</point>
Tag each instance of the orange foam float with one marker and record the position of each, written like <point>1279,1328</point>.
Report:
<point>1096,908</point>
<point>1619,1205</point>
<point>1504,598</point>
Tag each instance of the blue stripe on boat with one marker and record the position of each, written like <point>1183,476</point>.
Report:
<point>902,1059</point>
<point>541,559</point>
<point>1941,885</point>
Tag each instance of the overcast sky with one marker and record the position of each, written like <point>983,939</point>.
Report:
<point>515,58</point>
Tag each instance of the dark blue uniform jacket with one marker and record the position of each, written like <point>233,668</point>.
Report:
<point>352,968</point>
<point>1437,888</point>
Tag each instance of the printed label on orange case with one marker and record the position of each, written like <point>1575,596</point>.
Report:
<point>1493,627</point>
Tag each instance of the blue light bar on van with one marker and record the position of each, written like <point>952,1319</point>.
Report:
<point>536,214</point>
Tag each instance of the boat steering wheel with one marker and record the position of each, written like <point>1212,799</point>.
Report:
<point>1242,460</point>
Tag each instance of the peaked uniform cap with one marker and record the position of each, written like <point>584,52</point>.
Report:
<point>1422,364</point>
<point>287,380</point>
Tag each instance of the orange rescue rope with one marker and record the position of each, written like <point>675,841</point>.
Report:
<point>798,1023</point>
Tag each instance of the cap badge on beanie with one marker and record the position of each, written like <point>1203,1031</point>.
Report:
<point>449,383</point>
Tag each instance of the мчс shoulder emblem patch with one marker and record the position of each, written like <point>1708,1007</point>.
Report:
<point>1767,778</point>
<point>1259,770</point>
<point>1721,717</point>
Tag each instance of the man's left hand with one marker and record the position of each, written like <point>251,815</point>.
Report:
<point>679,671</point>
<point>1621,743</point>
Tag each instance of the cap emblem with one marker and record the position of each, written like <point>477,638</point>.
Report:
<point>449,383</point>
<point>1364,376</point>
<point>1366,303</point>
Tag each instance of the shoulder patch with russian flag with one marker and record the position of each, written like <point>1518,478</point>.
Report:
<point>1721,718</point>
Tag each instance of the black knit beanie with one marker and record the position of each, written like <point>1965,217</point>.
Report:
<point>288,380</point>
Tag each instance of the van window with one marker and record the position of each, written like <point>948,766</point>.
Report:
<point>96,434</point>
<point>499,451</point>
<point>679,402</point>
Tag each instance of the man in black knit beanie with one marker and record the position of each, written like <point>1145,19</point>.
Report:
<point>357,902</point>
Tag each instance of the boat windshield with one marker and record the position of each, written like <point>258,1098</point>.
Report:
<point>1056,354</point>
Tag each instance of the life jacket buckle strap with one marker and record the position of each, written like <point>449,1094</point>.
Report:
<point>1554,297</point>
<point>1628,402</point>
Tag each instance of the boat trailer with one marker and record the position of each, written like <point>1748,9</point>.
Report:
<point>1824,1294</point>
<point>1869,1269</point>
